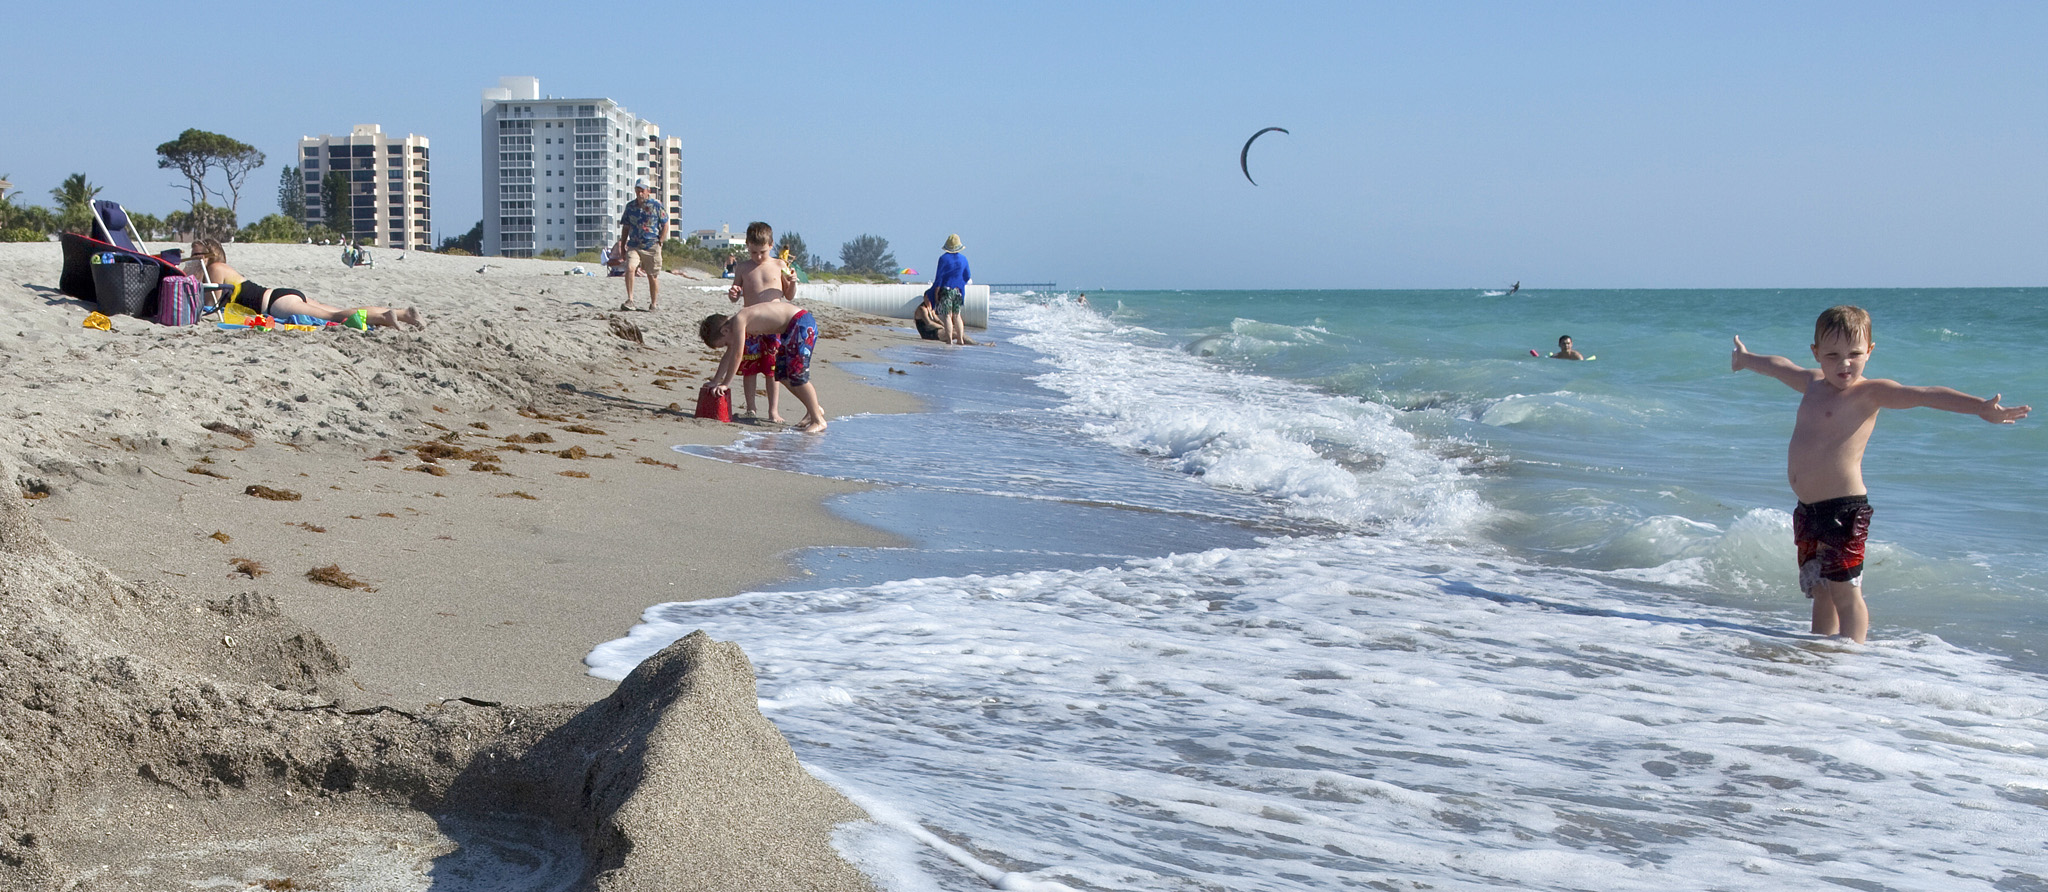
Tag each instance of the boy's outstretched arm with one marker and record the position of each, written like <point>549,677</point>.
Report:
<point>1900,396</point>
<point>1775,366</point>
<point>729,364</point>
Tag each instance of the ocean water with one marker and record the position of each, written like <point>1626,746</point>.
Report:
<point>1331,590</point>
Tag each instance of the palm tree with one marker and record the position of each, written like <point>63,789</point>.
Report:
<point>74,203</point>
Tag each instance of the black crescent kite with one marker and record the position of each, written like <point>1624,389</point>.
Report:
<point>1247,150</point>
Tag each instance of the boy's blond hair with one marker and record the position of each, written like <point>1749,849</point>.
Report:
<point>759,233</point>
<point>1845,320</point>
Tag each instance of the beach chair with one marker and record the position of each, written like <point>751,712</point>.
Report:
<point>110,224</point>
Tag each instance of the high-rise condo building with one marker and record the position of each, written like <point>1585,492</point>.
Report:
<point>388,200</point>
<point>558,172</point>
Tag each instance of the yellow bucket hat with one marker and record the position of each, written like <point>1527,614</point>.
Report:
<point>99,321</point>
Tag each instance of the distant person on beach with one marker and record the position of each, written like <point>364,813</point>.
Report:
<point>1564,349</point>
<point>759,279</point>
<point>793,326</point>
<point>949,289</point>
<point>643,227</point>
<point>1837,411</point>
<point>209,263</point>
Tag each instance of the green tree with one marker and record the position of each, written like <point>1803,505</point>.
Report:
<point>24,222</point>
<point>195,153</point>
<point>337,208</point>
<point>867,254</point>
<point>471,242</point>
<point>291,194</point>
<point>147,226</point>
<point>274,228</point>
<point>74,203</point>
<point>204,221</point>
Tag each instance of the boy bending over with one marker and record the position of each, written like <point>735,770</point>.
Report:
<point>1825,461</point>
<point>797,331</point>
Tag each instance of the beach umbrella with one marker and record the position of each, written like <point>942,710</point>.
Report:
<point>906,272</point>
<point>1244,153</point>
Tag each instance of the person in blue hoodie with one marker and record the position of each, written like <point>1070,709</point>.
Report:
<point>949,290</point>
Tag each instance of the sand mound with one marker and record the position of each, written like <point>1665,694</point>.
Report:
<point>120,697</point>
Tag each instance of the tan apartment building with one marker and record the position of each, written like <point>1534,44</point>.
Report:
<point>557,173</point>
<point>390,202</point>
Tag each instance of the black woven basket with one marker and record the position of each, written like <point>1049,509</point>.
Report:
<point>126,288</point>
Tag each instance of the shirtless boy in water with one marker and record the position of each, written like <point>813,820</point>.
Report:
<point>797,331</point>
<point>1825,461</point>
<point>759,279</point>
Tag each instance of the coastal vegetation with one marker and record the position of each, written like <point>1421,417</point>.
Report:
<point>196,154</point>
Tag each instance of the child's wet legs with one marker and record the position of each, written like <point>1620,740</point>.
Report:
<point>1838,609</point>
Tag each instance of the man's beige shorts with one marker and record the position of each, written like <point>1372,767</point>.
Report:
<point>637,259</point>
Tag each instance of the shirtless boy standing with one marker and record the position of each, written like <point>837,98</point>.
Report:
<point>759,279</point>
<point>794,327</point>
<point>1825,461</point>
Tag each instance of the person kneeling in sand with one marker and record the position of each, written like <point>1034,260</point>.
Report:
<point>797,331</point>
<point>209,263</point>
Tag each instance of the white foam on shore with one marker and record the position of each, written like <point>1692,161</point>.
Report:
<point>1322,712</point>
<point>1329,457</point>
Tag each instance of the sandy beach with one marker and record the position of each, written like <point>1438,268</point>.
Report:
<point>482,502</point>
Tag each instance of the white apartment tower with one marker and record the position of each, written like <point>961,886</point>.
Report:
<point>558,172</point>
<point>389,201</point>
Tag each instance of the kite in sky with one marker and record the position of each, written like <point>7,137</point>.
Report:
<point>1242,154</point>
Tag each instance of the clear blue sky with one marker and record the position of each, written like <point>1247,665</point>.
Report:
<point>1095,144</point>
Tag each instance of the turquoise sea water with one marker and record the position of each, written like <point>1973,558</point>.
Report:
<point>1322,590</point>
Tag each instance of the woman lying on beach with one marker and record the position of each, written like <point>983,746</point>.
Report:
<point>286,301</point>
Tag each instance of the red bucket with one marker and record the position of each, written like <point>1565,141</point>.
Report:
<point>715,406</point>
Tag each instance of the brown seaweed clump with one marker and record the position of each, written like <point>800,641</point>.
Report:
<point>333,575</point>
<point>276,495</point>
<point>248,567</point>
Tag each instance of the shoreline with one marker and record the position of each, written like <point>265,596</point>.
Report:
<point>488,568</point>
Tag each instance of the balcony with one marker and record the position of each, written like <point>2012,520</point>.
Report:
<point>515,181</point>
<point>586,180</point>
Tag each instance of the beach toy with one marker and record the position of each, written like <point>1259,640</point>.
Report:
<point>715,406</point>
<point>358,320</point>
<point>99,320</point>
